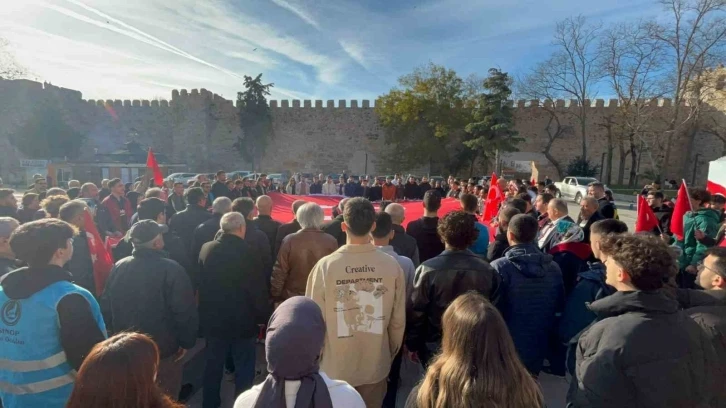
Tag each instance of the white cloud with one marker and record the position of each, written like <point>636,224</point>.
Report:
<point>354,51</point>
<point>298,11</point>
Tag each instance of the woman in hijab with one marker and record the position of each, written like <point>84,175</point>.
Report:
<point>295,336</point>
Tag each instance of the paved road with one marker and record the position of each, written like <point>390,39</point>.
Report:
<point>626,214</point>
<point>553,388</point>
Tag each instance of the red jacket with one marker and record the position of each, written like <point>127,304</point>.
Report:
<point>389,192</point>
<point>119,216</point>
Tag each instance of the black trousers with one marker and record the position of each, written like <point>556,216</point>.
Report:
<point>394,376</point>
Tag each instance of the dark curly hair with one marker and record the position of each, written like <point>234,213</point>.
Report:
<point>700,194</point>
<point>458,230</point>
<point>647,259</point>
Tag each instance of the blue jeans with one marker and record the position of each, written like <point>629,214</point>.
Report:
<point>243,355</point>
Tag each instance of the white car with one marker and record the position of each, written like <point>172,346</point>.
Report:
<point>574,187</point>
<point>181,177</point>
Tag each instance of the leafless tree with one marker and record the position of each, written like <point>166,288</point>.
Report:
<point>694,39</point>
<point>9,67</point>
<point>572,71</point>
<point>711,119</point>
<point>632,65</point>
<point>536,86</point>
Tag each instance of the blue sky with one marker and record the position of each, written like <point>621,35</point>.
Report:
<point>310,49</point>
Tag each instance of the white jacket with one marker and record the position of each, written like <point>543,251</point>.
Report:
<point>342,394</point>
<point>330,189</point>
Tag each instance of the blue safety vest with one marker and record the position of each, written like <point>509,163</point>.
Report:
<point>34,370</point>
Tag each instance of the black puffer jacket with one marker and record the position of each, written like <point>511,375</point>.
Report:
<point>644,352</point>
<point>152,294</point>
<point>708,309</point>
<point>436,284</point>
<point>531,296</point>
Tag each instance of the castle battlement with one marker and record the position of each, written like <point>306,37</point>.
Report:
<point>116,104</point>
<point>521,103</point>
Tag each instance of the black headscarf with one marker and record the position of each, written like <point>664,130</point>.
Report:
<point>295,337</point>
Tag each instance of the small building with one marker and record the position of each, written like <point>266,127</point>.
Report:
<point>126,164</point>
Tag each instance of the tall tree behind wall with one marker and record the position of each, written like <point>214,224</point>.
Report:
<point>425,119</point>
<point>492,126</point>
<point>255,120</point>
<point>46,135</point>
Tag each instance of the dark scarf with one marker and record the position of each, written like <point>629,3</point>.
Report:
<point>295,336</point>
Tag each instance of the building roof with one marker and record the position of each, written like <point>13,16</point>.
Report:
<point>132,152</point>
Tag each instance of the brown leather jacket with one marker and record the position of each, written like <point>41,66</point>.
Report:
<point>298,254</point>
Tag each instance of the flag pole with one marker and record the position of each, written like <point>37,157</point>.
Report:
<point>687,194</point>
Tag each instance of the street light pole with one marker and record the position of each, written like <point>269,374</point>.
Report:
<point>695,168</point>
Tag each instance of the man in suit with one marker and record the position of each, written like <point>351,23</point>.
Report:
<point>589,214</point>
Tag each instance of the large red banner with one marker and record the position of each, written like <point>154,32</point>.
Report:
<point>282,206</point>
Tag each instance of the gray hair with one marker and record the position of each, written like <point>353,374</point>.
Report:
<point>559,204</point>
<point>7,226</point>
<point>86,187</point>
<point>71,209</point>
<point>74,183</point>
<point>154,192</point>
<point>310,215</point>
<point>397,213</point>
<point>232,221</point>
<point>591,201</point>
<point>221,205</point>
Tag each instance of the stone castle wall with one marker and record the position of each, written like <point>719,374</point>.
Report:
<point>199,128</point>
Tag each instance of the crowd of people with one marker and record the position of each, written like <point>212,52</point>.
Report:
<point>630,319</point>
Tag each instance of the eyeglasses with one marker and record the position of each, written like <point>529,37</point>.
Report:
<point>701,266</point>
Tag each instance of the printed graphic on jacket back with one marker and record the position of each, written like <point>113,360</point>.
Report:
<point>359,306</point>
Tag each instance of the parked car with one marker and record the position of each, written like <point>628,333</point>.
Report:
<point>237,174</point>
<point>180,177</point>
<point>574,187</point>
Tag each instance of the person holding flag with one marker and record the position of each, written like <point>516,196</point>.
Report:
<point>495,198</point>
<point>646,219</point>
<point>91,263</point>
<point>153,165</point>
<point>690,218</point>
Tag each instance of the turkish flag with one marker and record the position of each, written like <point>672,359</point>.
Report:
<point>646,221</point>
<point>102,261</point>
<point>494,199</point>
<point>683,205</point>
<point>282,206</point>
<point>154,166</point>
